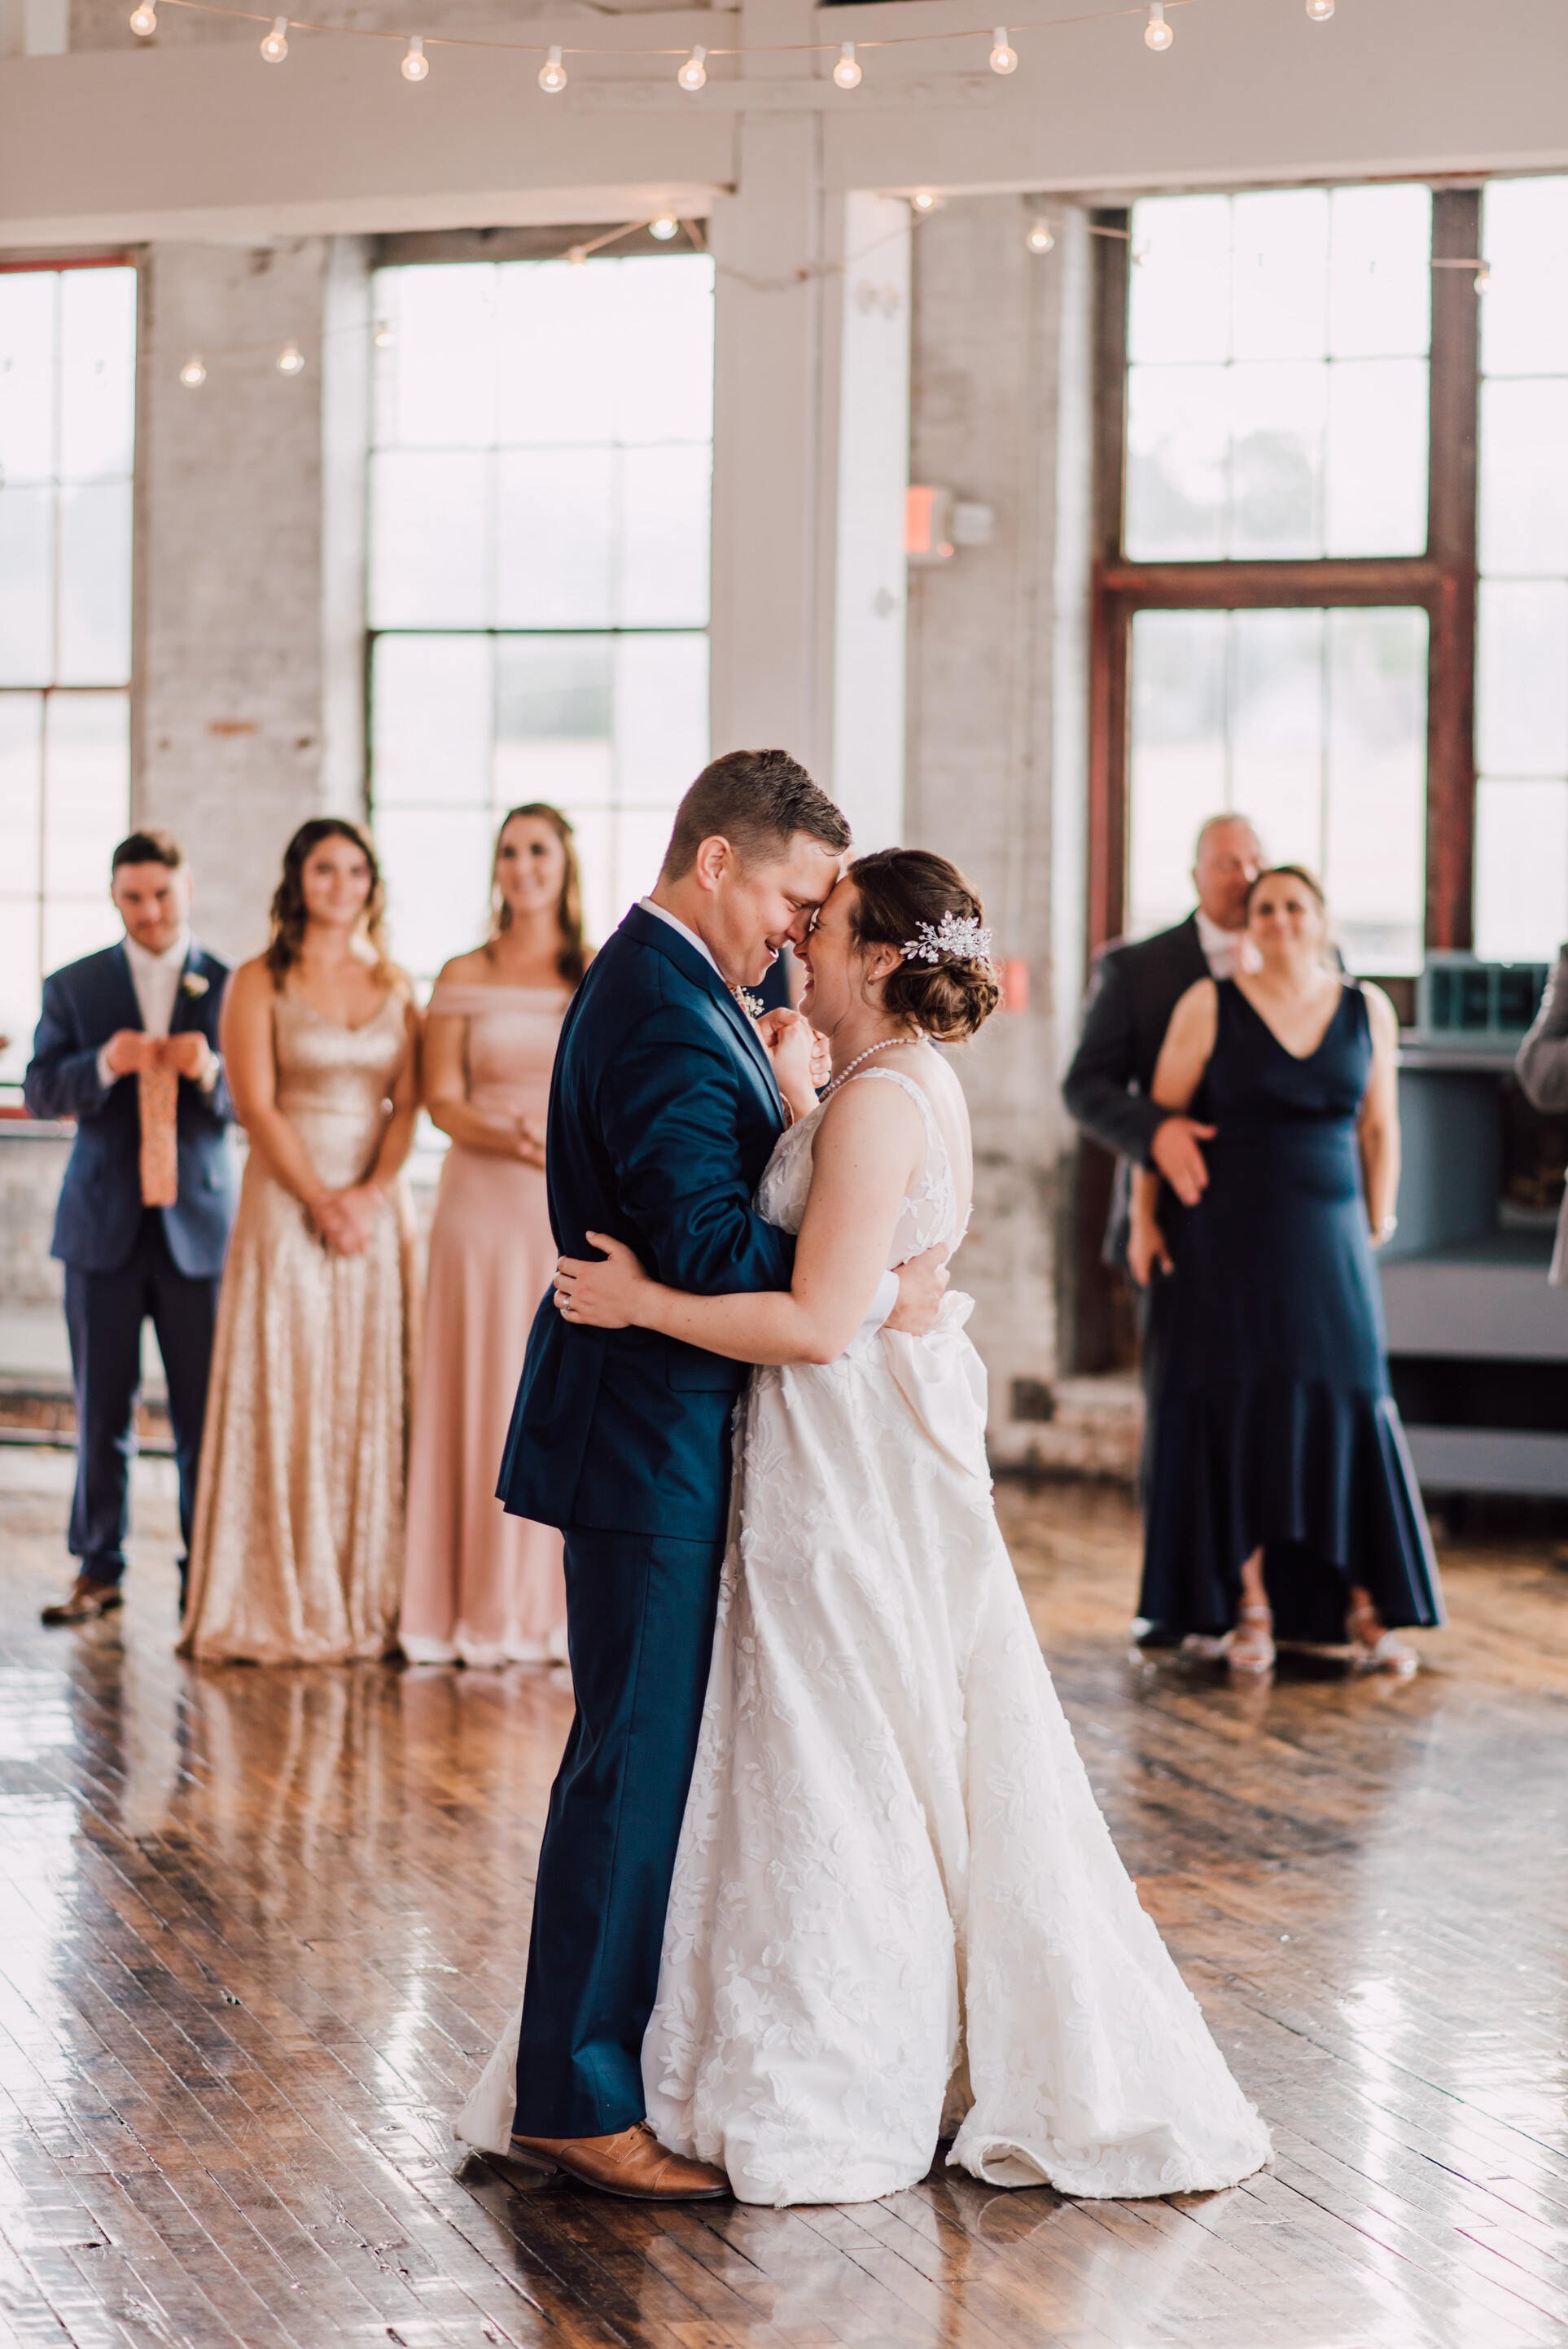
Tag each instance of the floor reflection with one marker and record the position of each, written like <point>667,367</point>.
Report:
<point>262,1927</point>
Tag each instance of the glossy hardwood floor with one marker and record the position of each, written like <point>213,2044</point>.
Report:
<point>258,1927</point>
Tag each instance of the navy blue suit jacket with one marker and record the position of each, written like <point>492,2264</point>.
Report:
<point>101,1210</point>
<point>663,1115</point>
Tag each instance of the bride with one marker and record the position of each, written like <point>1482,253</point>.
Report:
<point>896,1911</point>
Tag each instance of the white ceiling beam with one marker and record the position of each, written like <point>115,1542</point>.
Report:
<point>205,141</point>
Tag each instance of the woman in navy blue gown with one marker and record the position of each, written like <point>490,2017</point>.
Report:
<point>1282,1500</point>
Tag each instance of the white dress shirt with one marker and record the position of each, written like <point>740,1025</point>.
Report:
<point>1225,951</point>
<point>662,914</point>
<point>886,1297</point>
<point>156,980</point>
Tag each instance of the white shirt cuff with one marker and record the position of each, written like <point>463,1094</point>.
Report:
<point>881,1306</point>
<point>105,1074</point>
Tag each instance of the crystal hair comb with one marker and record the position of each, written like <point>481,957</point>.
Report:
<point>957,937</point>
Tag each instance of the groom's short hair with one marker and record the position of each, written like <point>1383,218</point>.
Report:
<point>757,801</point>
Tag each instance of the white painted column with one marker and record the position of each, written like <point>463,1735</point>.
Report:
<point>871,412</point>
<point>766,489</point>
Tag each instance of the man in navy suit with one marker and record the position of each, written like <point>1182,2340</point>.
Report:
<point>664,1112</point>
<point>144,1009</point>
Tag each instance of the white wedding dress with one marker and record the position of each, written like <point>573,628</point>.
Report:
<point>896,1909</point>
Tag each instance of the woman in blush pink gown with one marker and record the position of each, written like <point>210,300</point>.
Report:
<point>482,1588</point>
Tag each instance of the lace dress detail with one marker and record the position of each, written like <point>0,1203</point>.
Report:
<point>929,1211</point>
<point>896,1908</point>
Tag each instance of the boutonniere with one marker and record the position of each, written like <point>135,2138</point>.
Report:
<point>193,985</point>
<point>750,1004</point>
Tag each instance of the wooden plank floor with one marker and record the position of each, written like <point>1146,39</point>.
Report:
<point>258,1927</point>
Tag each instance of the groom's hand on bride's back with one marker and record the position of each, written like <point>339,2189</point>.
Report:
<point>922,1283</point>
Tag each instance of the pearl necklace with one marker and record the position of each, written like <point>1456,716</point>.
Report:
<point>887,1043</point>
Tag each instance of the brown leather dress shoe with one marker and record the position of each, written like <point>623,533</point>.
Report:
<point>84,1602</point>
<point>631,2162</point>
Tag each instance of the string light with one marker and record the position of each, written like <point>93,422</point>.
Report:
<point>1039,236</point>
<point>290,360</point>
<point>416,65</point>
<point>1157,33</point>
<point>1320,11</point>
<point>664,228</point>
<point>1483,278</point>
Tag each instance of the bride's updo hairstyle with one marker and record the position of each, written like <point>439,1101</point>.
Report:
<point>905,893</point>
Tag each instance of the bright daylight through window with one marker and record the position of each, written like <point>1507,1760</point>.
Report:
<point>68,368</point>
<point>1277,404</point>
<point>1521,682</point>
<point>539,572</point>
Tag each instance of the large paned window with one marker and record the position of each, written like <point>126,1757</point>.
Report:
<point>1285,569</point>
<point>1312,722</point>
<point>1521,685</point>
<point>68,368</point>
<point>1277,379</point>
<point>539,572</point>
<point>1264,630</point>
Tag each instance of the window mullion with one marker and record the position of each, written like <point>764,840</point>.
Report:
<point>1455,397</point>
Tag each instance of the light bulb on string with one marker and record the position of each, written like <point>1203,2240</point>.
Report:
<point>553,74</point>
<point>1320,11</point>
<point>416,65</point>
<point>275,44</point>
<point>664,228</point>
<point>927,200</point>
<point>144,19</point>
<point>1003,56</point>
<point>577,255</point>
<point>382,337</point>
<point>1483,278</point>
<point>847,72</point>
<point>694,72</point>
<point>289,360</point>
<point>1157,33</point>
<point>1039,236</point>
<point>193,374</point>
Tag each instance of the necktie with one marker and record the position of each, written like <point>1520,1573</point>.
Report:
<point>158,1107</point>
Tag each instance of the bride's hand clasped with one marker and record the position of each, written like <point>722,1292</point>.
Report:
<point>800,1057</point>
<point>602,1295</point>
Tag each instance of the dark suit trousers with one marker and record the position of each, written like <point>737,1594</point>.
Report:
<point>104,1314</point>
<point>640,1614</point>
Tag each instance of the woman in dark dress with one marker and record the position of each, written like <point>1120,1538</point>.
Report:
<point>1282,1500</point>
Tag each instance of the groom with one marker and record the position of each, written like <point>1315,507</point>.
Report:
<point>664,1111</point>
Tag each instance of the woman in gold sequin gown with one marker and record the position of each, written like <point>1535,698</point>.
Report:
<point>297,1551</point>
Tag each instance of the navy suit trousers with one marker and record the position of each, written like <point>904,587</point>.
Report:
<point>640,1615</point>
<point>104,1314</point>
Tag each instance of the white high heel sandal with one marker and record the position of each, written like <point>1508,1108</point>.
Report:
<point>1252,1651</point>
<point>1387,1653</point>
